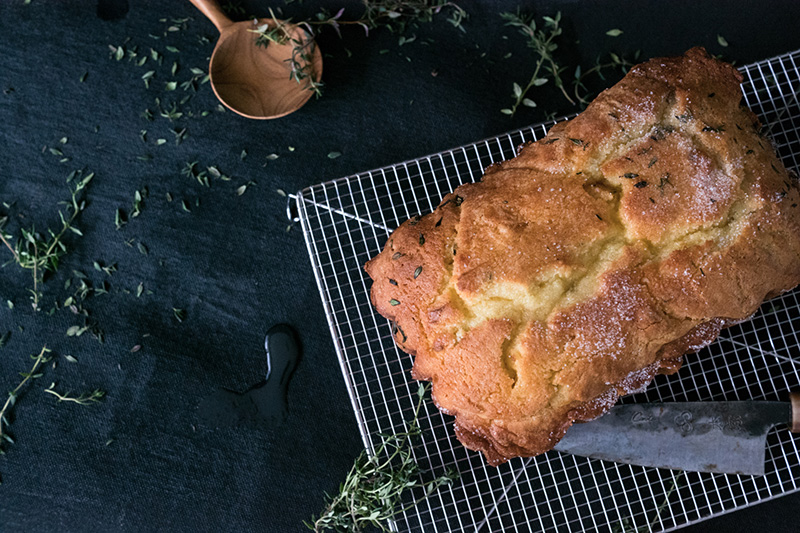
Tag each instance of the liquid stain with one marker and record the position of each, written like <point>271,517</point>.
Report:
<point>264,403</point>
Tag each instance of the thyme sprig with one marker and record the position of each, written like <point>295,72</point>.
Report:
<point>542,39</point>
<point>42,253</point>
<point>616,62</point>
<point>301,66</point>
<point>372,492</point>
<point>395,15</point>
<point>38,360</point>
<point>85,398</point>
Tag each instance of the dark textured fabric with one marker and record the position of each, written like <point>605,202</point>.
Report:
<point>230,262</point>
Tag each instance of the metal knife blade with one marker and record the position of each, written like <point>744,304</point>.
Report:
<point>725,437</point>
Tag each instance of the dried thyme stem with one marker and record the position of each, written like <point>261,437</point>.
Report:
<point>86,398</point>
<point>3,238</point>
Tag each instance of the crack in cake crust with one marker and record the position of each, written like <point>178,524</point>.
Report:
<point>578,270</point>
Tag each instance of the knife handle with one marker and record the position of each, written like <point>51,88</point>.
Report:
<point>794,397</point>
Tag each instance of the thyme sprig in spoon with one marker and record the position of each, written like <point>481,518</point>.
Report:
<point>542,39</point>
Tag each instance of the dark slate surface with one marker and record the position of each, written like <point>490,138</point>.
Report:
<point>230,263</point>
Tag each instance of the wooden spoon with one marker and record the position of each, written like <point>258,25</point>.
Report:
<point>255,81</point>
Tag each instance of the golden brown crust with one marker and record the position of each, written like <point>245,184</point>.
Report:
<point>592,261</point>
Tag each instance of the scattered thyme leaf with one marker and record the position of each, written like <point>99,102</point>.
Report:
<point>146,77</point>
<point>138,198</point>
<point>76,331</point>
<point>120,219</point>
<point>721,40</point>
<point>334,155</point>
<point>614,33</point>
<point>179,314</point>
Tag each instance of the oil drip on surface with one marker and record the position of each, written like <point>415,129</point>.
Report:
<point>265,402</point>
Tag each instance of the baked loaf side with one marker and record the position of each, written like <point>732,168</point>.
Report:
<point>596,258</point>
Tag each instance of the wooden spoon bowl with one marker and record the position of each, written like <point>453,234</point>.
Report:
<point>254,80</point>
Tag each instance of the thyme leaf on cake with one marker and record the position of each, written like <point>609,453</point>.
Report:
<point>373,492</point>
<point>394,15</point>
<point>42,252</point>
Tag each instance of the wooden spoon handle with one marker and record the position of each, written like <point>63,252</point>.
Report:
<point>212,11</point>
<point>795,399</point>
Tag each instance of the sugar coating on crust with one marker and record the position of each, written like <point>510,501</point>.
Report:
<point>593,260</point>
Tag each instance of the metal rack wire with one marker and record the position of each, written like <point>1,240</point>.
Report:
<point>346,221</point>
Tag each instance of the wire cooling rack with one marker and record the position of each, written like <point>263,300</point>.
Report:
<point>347,221</point>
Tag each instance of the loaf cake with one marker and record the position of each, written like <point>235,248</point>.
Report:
<point>595,259</point>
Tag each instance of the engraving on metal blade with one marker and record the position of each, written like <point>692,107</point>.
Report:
<point>726,437</point>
